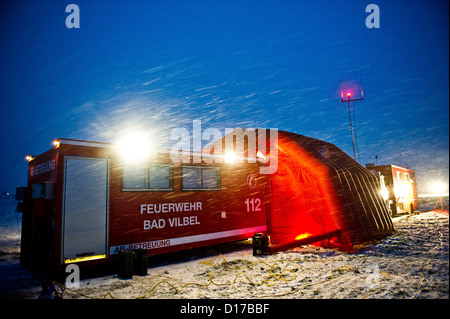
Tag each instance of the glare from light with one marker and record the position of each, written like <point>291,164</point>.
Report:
<point>134,147</point>
<point>262,157</point>
<point>384,193</point>
<point>229,157</point>
<point>302,236</point>
<point>29,158</point>
<point>438,187</point>
<point>400,190</point>
<point>56,143</point>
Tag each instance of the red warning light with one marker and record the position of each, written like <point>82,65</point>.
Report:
<point>351,90</point>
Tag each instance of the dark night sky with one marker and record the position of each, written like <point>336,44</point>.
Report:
<point>157,65</point>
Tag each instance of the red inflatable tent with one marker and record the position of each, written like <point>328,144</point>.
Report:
<point>319,194</point>
<point>318,189</point>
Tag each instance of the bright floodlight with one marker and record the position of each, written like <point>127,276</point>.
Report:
<point>400,190</point>
<point>384,193</point>
<point>262,158</point>
<point>230,157</point>
<point>134,147</point>
<point>438,187</point>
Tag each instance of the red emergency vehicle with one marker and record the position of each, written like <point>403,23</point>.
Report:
<point>84,204</point>
<point>400,187</point>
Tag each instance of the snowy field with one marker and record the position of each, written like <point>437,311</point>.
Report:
<point>412,263</point>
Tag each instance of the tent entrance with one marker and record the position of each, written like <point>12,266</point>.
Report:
<point>297,205</point>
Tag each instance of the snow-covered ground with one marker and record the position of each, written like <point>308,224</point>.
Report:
<point>412,263</point>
